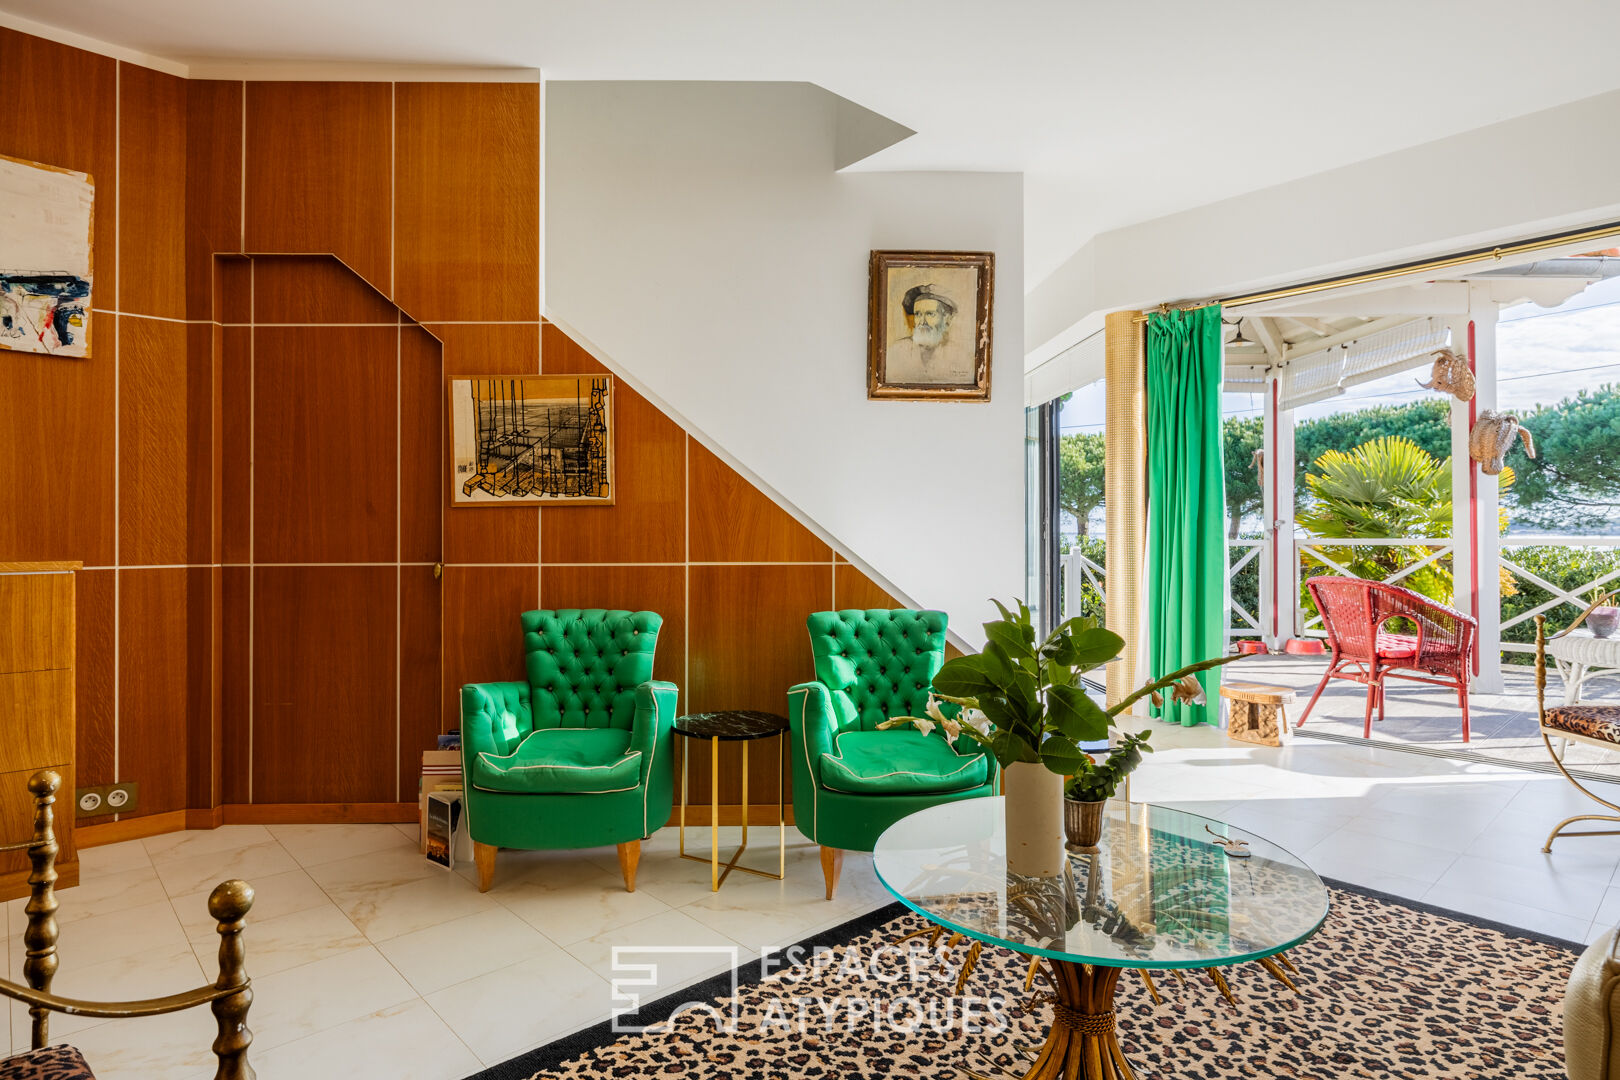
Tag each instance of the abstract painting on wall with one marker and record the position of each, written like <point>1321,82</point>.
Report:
<point>46,217</point>
<point>529,440</point>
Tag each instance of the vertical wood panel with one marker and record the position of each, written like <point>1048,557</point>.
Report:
<point>324,451</point>
<point>61,109</point>
<point>152,204</point>
<point>634,588</point>
<point>323,677</point>
<point>422,421</point>
<point>318,172</point>
<point>233,290</point>
<point>733,521</point>
<point>748,646</point>
<point>647,523</point>
<point>154,434</point>
<point>420,713</point>
<point>213,185</point>
<point>153,698</point>
<point>236,683</point>
<point>56,454</point>
<point>505,534</point>
<point>235,443</point>
<point>467,177</point>
<point>483,639</point>
<point>93,671</point>
<point>204,350</point>
<point>202,678</point>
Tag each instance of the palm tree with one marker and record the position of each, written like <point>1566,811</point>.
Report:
<point>1384,489</point>
<point>1381,490</point>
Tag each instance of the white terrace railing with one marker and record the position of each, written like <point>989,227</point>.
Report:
<point>1318,550</point>
<point>1078,572</point>
<point>1577,596</point>
<point>1241,622</point>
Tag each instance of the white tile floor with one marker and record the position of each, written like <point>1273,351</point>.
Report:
<point>368,961</point>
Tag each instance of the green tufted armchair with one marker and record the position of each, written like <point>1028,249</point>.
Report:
<point>850,780</point>
<point>579,754</point>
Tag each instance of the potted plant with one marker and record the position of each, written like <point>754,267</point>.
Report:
<point>1087,791</point>
<point>1024,703</point>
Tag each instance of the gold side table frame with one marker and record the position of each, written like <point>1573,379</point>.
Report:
<point>717,872</point>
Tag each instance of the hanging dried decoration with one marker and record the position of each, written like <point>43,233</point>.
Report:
<point>1451,375</point>
<point>1493,434</point>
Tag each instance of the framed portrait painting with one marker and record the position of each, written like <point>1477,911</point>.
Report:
<point>532,440</point>
<point>928,325</point>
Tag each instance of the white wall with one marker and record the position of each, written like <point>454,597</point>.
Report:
<point>1548,171</point>
<point>699,240</point>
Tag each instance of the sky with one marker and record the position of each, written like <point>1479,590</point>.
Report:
<point>1543,356</point>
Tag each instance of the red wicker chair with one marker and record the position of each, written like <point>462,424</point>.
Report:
<point>1355,612</point>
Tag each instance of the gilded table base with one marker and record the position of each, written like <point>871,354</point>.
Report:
<point>1080,1044</point>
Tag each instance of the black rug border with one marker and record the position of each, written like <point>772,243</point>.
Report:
<point>601,1034</point>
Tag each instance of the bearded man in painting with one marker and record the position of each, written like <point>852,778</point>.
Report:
<point>928,355</point>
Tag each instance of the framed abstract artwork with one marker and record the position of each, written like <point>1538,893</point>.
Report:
<point>531,440</point>
<point>46,222</point>
<point>928,325</point>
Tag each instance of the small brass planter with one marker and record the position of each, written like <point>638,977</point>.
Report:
<point>1082,823</point>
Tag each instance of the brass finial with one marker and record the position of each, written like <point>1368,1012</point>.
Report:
<point>43,783</point>
<point>230,900</point>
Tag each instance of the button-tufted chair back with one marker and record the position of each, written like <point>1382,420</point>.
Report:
<point>877,663</point>
<point>584,666</point>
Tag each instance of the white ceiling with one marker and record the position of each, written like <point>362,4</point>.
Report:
<point>1115,112</point>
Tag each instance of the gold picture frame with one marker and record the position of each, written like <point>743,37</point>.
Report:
<point>928,325</point>
<point>531,440</point>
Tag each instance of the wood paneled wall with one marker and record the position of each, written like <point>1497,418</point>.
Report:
<point>105,460</point>
<point>252,466</point>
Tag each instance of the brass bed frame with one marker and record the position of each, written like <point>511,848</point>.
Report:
<point>229,996</point>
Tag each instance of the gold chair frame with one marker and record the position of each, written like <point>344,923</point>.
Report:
<point>229,996</point>
<point>1549,734</point>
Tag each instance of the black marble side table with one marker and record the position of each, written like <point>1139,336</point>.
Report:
<point>742,726</point>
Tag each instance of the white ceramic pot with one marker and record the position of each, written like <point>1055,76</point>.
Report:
<point>1034,800</point>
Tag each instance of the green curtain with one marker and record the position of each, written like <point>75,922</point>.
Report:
<point>1186,542</point>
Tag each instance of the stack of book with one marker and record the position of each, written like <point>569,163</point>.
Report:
<point>441,771</point>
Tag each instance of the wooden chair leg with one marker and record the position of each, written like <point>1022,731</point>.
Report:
<point>484,857</point>
<point>629,859</point>
<point>1463,695</point>
<point>1366,719</point>
<point>832,865</point>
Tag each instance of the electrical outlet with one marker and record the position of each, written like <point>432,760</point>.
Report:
<point>107,799</point>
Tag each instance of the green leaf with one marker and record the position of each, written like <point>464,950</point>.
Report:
<point>1075,715</point>
<point>1008,748</point>
<point>998,667</point>
<point>1096,646</point>
<point>1009,638</point>
<point>964,677</point>
<point>1062,757</point>
<point>1070,627</point>
<point>1060,652</point>
<point>1005,614</point>
<point>1006,715</point>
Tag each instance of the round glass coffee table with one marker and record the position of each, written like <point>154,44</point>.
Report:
<point>1156,892</point>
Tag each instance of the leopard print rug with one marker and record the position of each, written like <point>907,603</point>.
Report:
<point>1386,990</point>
